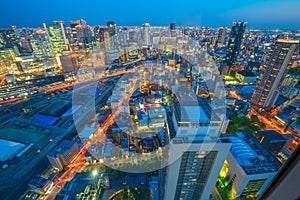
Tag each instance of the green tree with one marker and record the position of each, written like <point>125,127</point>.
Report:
<point>255,119</point>
<point>251,129</point>
<point>232,128</point>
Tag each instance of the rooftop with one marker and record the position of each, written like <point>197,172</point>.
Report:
<point>191,112</point>
<point>251,155</point>
<point>296,124</point>
<point>84,183</point>
<point>272,135</point>
<point>8,149</point>
<point>64,146</point>
<point>247,73</point>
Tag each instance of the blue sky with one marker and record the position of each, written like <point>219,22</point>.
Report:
<point>258,13</point>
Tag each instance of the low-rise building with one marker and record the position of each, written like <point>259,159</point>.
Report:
<point>295,127</point>
<point>246,76</point>
<point>251,166</point>
<point>272,140</point>
<point>42,185</point>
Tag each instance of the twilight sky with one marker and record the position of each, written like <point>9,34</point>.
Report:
<point>259,13</point>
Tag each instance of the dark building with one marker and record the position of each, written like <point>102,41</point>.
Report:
<point>272,140</point>
<point>172,26</point>
<point>282,54</point>
<point>111,28</point>
<point>99,33</point>
<point>9,38</point>
<point>221,35</point>
<point>73,25</point>
<point>235,40</point>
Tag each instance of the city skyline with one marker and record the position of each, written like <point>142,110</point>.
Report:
<point>259,14</point>
<point>149,100</point>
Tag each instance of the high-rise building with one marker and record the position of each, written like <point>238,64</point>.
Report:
<point>146,33</point>
<point>172,26</point>
<point>9,38</point>
<point>41,46</point>
<point>73,25</point>
<point>69,61</point>
<point>111,28</point>
<point>106,40</point>
<point>235,41</point>
<point>85,36</point>
<point>57,36</point>
<point>132,36</point>
<point>221,35</point>
<point>279,60</point>
<point>99,33</point>
<point>7,61</point>
<point>196,155</point>
<point>62,155</point>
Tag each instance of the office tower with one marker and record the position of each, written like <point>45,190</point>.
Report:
<point>111,28</point>
<point>98,33</point>
<point>221,35</point>
<point>85,36</point>
<point>7,61</point>
<point>57,36</point>
<point>123,38</point>
<point>146,33</point>
<point>196,152</point>
<point>279,60</point>
<point>41,46</point>
<point>132,36</point>
<point>234,43</point>
<point>102,30</point>
<point>62,155</point>
<point>9,38</point>
<point>107,40</point>
<point>172,26</point>
<point>73,25</point>
<point>69,62</point>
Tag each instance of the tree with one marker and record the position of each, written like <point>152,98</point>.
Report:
<point>251,129</point>
<point>244,120</point>
<point>232,128</point>
<point>255,119</point>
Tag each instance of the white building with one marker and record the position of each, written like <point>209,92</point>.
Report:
<point>251,167</point>
<point>196,155</point>
<point>9,149</point>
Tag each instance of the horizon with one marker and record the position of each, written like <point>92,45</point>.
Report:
<point>67,24</point>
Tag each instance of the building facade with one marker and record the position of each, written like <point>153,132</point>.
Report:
<point>235,41</point>
<point>278,62</point>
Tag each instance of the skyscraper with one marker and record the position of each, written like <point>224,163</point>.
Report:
<point>235,40</point>
<point>73,25</point>
<point>9,38</point>
<point>57,36</point>
<point>221,35</point>
<point>41,46</point>
<point>7,61</point>
<point>146,33</point>
<point>279,60</point>
<point>197,156</point>
<point>172,26</point>
<point>111,28</point>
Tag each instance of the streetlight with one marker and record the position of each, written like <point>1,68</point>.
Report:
<point>95,172</point>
